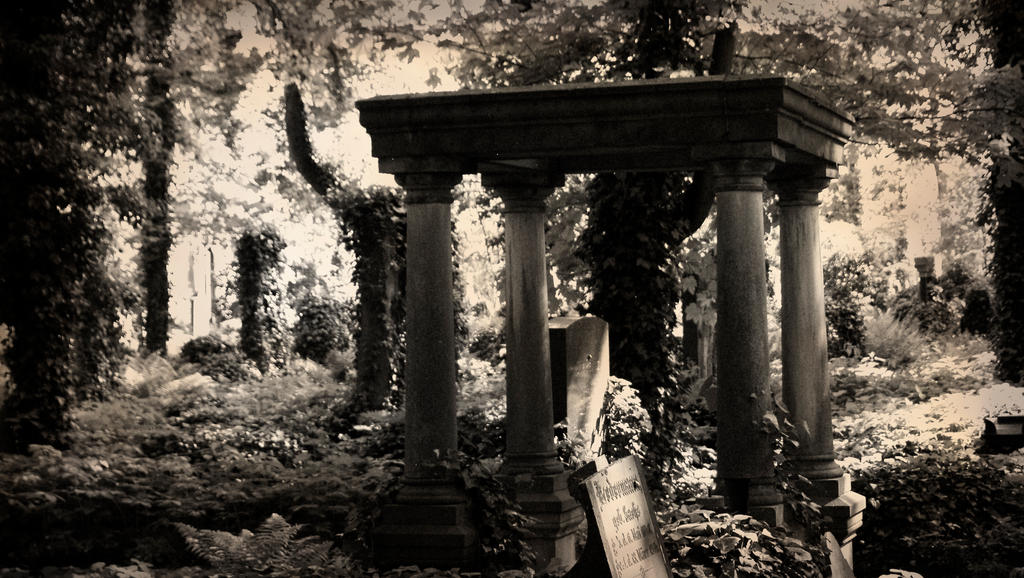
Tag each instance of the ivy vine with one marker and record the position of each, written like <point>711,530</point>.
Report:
<point>263,336</point>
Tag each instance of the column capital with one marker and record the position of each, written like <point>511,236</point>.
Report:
<point>800,192</point>
<point>739,174</point>
<point>523,192</point>
<point>423,188</point>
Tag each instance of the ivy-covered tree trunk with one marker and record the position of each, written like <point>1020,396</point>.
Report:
<point>263,336</point>
<point>372,223</point>
<point>635,227</point>
<point>377,237</point>
<point>55,294</point>
<point>633,285</point>
<point>156,231</point>
<point>1004,210</point>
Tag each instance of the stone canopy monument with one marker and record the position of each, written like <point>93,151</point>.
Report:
<point>746,135</point>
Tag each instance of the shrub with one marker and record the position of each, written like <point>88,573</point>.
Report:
<point>978,312</point>
<point>624,421</point>
<point>933,316</point>
<point>200,348</point>
<point>321,328</point>
<point>489,345</point>
<point>895,340</point>
<point>940,515</point>
<point>848,290</point>
<point>944,308</point>
<point>218,359</point>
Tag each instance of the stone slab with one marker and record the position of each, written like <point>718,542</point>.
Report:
<point>625,516</point>
<point>579,372</point>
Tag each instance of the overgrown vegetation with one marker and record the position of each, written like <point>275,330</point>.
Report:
<point>64,118</point>
<point>968,523</point>
<point>263,337</point>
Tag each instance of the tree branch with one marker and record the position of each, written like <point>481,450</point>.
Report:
<point>300,149</point>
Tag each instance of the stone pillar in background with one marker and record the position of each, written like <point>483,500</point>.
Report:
<point>200,275</point>
<point>805,374</point>
<point>579,373</point>
<point>926,272</point>
<point>745,438</point>
<point>429,525</point>
<point>530,459</point>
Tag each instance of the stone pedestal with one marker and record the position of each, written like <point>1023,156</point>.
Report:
<point>579,373</point>
<point>429,525</point>
<point>745,440</point>
<point>415,531</point>
<point>843,510</point>
<point>530,456</point>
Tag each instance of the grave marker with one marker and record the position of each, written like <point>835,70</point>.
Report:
<point>579,372</point>
<point>625,518</point>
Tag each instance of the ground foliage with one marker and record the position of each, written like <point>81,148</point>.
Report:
<point>225,457</point>
<point>702,543</point>
<point>968,523</point>
<point>900,430</point>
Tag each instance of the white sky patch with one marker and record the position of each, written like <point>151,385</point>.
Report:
<point>922,212</point>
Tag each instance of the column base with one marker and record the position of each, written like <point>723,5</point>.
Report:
<point>556,516</point>
<point>418,530</point>
<point>757,498</point>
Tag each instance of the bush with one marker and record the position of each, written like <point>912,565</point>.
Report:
<point>934,316</point>
<point>978,312</point>
<point>199,349</point>
<point>944,309</point>
<point>897,341</point>
<point>940,515</point>
<point>321,328</point>
<point>624,422</point>
<point>219,360</point>
<point>848,290</point>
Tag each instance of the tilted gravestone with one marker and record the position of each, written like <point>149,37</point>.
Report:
<point>623,539</point>
<point>579,372</point>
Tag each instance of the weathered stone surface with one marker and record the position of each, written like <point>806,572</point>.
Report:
<point>579,372</point>
<point>649,124</point>
<point>746,130</point>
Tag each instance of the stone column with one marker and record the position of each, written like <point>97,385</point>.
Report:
<point>805,375</point>
<point>530,458</point>
<point>805,378</point>
<point>745,436</point>
<point>429,525</point>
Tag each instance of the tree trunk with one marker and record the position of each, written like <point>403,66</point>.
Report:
<point>377,264</point>
<point>156,241</point>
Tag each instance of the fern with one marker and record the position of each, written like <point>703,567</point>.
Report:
<point>272,550</point>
